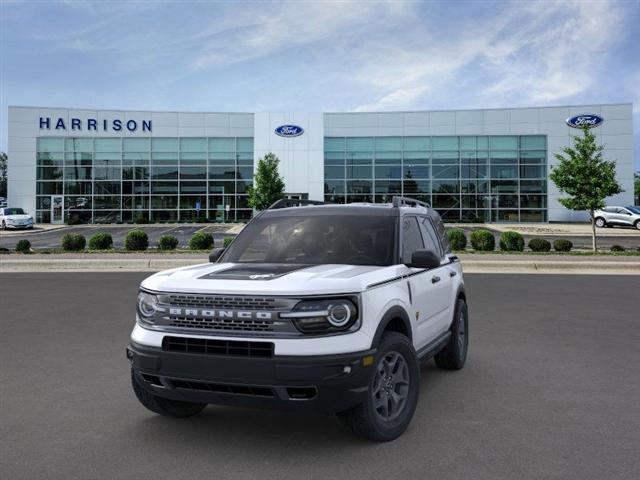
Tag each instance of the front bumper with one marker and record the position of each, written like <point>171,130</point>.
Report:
<point>319,383</point>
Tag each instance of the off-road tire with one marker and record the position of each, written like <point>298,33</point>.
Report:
<point>363,419</point>
<point>454,354</point>
<point>600,222</point>
<point>164,406</point>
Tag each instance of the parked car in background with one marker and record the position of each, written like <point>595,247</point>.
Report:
<point>3,202</point>
<point>621,216</point>
<point>15,218</point>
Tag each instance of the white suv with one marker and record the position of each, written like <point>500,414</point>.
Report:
<point>15,218</point>
<point>622,216</point>
<point>326,308</point>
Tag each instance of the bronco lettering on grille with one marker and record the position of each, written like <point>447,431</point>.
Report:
<point>233,314</point>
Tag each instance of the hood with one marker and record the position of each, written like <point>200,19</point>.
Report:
<point>269,279</point>
<point>18,217</point>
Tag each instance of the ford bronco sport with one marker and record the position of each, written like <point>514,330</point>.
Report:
<point>325,308</point>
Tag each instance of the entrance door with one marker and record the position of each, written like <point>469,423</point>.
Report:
<point>57,209</point>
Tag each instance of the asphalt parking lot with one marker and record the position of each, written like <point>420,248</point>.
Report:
<point>550,390</point>
<point>53,238</point>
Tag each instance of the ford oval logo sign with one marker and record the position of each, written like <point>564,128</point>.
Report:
<point>587,120</point>
<point>289,131</point>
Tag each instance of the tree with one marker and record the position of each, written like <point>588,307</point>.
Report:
<point>268,185</point>
<point>3,174</point>
<point>585,177</point>
<point>636,187</point>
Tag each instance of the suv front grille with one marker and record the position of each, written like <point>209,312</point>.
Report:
<point>225,324</point>
<point>222,302</point>
<point>218,347</point>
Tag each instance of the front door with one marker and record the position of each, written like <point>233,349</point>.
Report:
<point>57,209</point>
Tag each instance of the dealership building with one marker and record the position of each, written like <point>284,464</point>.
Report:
<point>107,166</point>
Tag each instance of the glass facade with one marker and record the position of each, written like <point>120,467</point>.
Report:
<point>498,178</point>
<point>108,180</point>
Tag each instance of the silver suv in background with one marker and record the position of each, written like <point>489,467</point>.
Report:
<point>622,216</point>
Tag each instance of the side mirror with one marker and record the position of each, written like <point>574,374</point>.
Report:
<point>215,254</point>
<point>424,259</point>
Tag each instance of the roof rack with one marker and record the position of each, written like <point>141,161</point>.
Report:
<point>408,202</point>
<point>294,202</point>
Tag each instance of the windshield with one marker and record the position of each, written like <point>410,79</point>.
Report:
<point>316,240</point>
<point>13,211</point>
<point>634,210</point>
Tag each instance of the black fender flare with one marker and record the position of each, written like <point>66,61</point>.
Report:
<point>394,312</point>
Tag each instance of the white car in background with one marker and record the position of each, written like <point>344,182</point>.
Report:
<point>15,218</point>
<point>622,216</point>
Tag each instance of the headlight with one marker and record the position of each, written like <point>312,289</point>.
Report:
<point>147,306</point>
<point>331,315</point>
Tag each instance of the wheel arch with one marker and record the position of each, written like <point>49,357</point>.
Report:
<point>396,319</point>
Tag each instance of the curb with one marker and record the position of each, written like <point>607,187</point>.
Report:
<point>157,264</point>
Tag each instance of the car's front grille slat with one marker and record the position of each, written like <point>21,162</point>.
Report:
<point>253,390</point>
<point>218,347</point>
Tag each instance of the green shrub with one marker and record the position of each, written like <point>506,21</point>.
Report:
<point>539,245</point>
<point>511,242</point>
<point>483,240</point>
<point>23,246</point>
<point>167,242</point>
<point>201,241</point>
<point>100,241</point>
<point>136,240</point>
<point>141,220</point>
<point>562,245</point>
<point>457,239</point>
<point>227,241</point>
<point>73,242</point>
<point>617,248</point>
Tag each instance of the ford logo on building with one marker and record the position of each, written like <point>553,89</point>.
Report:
<point>587,120</point>
<point>289,131</point>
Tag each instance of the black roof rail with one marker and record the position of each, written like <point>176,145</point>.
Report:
<point>294,202</point>
<point>408,202</point>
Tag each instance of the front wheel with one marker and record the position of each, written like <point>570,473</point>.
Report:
<point>454,354</point>
<point>4,225</point>
<point>600,223</point>
<point>164,406</point>
<point>637,224</point>
<point>392,395</point>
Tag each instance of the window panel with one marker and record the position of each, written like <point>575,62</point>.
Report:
<point>334,172</point>
<point>359,144</point>
<point>445,158</point>
<point>388,158</point>
<point>49,173</point>
<point>505,157</point>
<point>245,173</point>
<point>468,143</point>
<point>334,158</point>
<point>388,172</point>
<point>163,173</point>
<point>138,144</point>
<point>77,173</point>
<point>193,158</point>
<point>193,187</point>
<point>49,188</point>
<point>414,187</point>
<point>532,171</point>
<point>533,201</point>
<point>356,172</point>
<point>503,142</point>
<point>158,188</point>
<point>446,201</point>
<point>444,143</point>
<point>218,186</point>
<point>78,144</point>
<point>333,186</point>
<point>504,186</point>
<point>533,142</point>
<point>106,188</point>
<point>533,216</point>
<point>244,144</point>
<point>50,158</point>
<point>50,144</point>
<point>77,188</point>
<point>222,145</point>
<point>415,171</point>
<point>449,171</point>
<point>164,202</point>
<point>164,158</point>
<point>534,156</point>
<point>334,144</point>
<point>107,144</point>
<point>359,186</point>
<point>104,173</point>
<point>504,171</point>
<point>388,143</point>
<point>218,158</point>
<point>193,173</point>
<point>422,144</point>
<point>190,144</point>
<point>445,186</point>
<point>164,144</point>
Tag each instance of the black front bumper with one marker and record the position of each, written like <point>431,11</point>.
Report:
<point>324,384</point>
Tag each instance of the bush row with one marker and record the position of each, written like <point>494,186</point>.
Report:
<point>484,241</point>
<point>136,240</point>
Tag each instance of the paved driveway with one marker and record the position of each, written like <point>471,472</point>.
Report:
<point>550,391</point>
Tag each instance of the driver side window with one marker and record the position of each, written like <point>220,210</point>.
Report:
<point>411,238</point>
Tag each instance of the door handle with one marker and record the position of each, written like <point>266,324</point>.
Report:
<point>453,273</point>
<point>435,279</point>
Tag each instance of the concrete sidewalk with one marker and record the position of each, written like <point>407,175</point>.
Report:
<point>472,263</point>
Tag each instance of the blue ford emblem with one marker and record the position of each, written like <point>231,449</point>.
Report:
<point>587,120</point>
<point>289,131</point>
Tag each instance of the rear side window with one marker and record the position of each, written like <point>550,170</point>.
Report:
<point>411,238</point>
<point>429,235</point>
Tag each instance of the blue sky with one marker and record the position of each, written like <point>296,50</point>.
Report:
<point>318,56</point>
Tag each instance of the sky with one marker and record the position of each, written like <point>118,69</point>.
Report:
<point>318,55</point>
